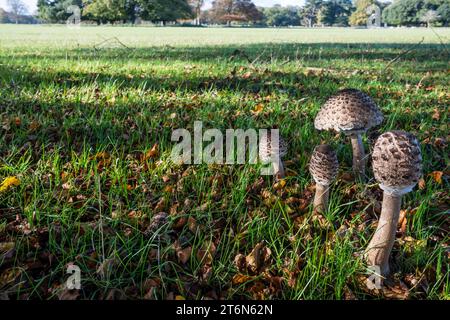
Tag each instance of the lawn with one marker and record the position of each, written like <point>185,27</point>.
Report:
<point>86,117</point>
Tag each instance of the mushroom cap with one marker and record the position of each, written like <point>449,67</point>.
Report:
<point>267,149</point>
<point>324,164</point>
<point>349,111</point>
<point>397,162</point>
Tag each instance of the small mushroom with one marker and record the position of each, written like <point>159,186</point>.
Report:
<point>268,152</point>
<point>397,165</point>
<point>352,112</point>
<point>323,166</point>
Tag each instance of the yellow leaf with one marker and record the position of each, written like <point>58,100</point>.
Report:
<point>180,298</point>
<point>8,183</point>
<point>240,279</point>
<point>280,184</point>
<point>258,108</point>
<point>437,176</point>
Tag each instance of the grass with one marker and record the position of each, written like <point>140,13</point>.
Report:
<point>79,119</point>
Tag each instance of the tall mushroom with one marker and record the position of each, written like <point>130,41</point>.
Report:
<point>323,166</point>
<point>269,152</point>
<point>352,112</point>
<point>397,165</point>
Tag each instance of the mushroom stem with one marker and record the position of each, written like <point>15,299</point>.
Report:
<point>379,249</point>
<point>321,197</point>
<point>359,156</point>
<point>278,169</point>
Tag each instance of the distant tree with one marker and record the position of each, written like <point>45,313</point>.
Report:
<point>4,16</point>
<point>17,8</point>
<point>248,10</point>
<point>103,11</point>
<point>429,17</point>
<point>55,11</point>
<point>309,12</point>
<point>281,16</point>
<point>164,10</point>
<point>197,9</point>
<point>334,12</point>
<point>444,13</point>
<point>411,12</point>
<point>227,11</point>
<point>360,16</point>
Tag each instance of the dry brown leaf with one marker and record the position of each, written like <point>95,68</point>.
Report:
<point>66,294</point>
<point>183,255</point>
<point>436,114</point>
<point>258,260</point>
<point>206,253</point>
<point>241,278</point>
<point>152,153</point>
<point>422,184</point>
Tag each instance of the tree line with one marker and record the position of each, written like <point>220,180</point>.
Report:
<point>241,12</point>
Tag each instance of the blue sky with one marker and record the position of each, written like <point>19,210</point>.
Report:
<point>31,4</point>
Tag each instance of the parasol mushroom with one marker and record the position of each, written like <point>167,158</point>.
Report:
<point>352,112</point>
<point>323,166</point>
<point>397,165</point>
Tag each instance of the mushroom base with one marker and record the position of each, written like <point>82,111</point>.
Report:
<point>321,197</point>
<point>278,169</point>
<point>380,247</point>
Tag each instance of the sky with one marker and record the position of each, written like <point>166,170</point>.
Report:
<point>31,4</point>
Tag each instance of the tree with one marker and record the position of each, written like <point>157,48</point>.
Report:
<point>164,10</point>
<point>55,11</point>
<point>360,16</point>
<point>309,12</point>
<point>226,11</point>
<point>4,17</point>
<point>444,13</point>
<point>197,9</point>
<point>334,12</point>
<point>429,17</point>
<point>103,11</point>
<point>17,8</point>
<point>281,16</point>
<point>248,10</point>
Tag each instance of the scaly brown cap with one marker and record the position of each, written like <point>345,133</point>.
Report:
<point>349,111</point>
<point>324,164</point>
<point>397,162</point>
<point>267,148</point>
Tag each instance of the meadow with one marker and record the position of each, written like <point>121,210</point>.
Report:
<point>86,117</point>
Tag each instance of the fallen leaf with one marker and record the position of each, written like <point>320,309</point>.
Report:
<point>258,109</point>
<point>258,260</point>
<point>152,153</point>
<point>66,294</point>
<point>183,255</point>
<point>437,176</point>
<point>436,114</point>
<point>157,221</point>
<point>422,184</point>
<point>241,278</point>
<point>8,183</point>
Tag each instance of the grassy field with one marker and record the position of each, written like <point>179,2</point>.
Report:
<point>86,120</point>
